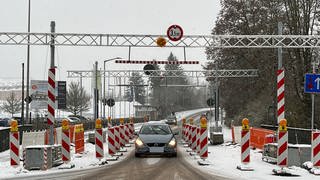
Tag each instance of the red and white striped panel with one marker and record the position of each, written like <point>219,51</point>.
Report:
<point>65,143</point>
<point>51,95</point>
<point>122,136</point>
<point>203,143</point>
<point>186,135</point>
<point>193,138</point>
<point>14,149</point>
<point>182,131</point>
<point>117,137</point>
<point>155,62</point>
<point>45,159</point>
<point>198,140</point>
<point>282,158</point>
<point>316,149</point>
<point>280,94</point>
<point>190,135</point>
<point>126,133</point>
<point>245,147</point>
<point>111,141</point>
<point>131,130</point>
<point>99,144</point>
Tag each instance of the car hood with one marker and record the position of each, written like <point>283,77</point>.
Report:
<point>151,138</point>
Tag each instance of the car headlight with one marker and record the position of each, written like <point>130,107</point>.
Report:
<point>139,142</point>
<point>172,142</point>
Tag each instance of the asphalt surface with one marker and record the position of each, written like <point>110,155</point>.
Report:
<point>149,168</point>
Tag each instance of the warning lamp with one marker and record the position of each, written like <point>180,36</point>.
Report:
<point>245,124</point>
<point>161,42</point>
<point>191,121</point>
<point>131,119</point>
<point>98,124</point>
<point>283,125</point>
<point>14,125</point>
<point>65,124</point>
<point>121,121</point>
<point>203,122</point>
<point>183,121</point>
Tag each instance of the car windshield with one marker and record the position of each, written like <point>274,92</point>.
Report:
<point>155,129</point>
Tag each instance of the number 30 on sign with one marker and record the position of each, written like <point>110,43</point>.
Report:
<point>174,32</point>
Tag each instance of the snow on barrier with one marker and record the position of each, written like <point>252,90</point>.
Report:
<point>98,140</point>
<point>245,146</point>
<point>14,144</point>
<point>65,142</point>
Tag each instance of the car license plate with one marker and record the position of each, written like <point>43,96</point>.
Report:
<point>156,149</point>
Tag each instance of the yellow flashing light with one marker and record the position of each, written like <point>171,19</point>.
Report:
<point>65,124</point>
<point>98,124</point>
<point>14,126</point>
<point>191,121</point>
<point>245,124</point>
<point>121,121</point>
<point>161,42</point>
<point>203,122</point>
<point>283,125</point>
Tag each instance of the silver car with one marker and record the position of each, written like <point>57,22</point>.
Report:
<point>155,138</point>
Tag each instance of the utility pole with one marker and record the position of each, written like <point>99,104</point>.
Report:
<point>312,99</point>
<point>51,87</point>
<point>95,92</point>
<point>28,64</point>
<point>216,112</point>
<point>22,95</point>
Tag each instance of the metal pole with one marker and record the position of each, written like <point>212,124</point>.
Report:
<point>22,96</point>
<point>95,95</point>
<point>280,27</point>
<point>216,98</point>
<point>104,89</point>
<point>52,50</point>
<point>81,89</point>
<point>312,99</point>
<point>28,62</point>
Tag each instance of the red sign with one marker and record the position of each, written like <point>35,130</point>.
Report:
<point>174,32</point>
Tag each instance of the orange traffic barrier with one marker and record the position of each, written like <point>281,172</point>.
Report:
<point>79,138</point>
<point>71,133</point>
<point>259,137</point>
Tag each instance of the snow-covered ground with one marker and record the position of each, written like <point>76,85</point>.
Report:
<point>225,159</point>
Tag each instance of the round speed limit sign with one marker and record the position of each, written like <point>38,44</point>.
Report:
<point>174,32</point>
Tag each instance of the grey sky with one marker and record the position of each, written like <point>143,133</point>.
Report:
<point>100,16</point>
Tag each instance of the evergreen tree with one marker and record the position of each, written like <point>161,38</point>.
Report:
<point>137,90</point>
<point>77,99</point>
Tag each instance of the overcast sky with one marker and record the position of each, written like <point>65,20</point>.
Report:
<point>100,16</point>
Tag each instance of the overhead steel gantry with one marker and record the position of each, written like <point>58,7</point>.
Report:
<point>167,73</point>
<point>190,41</point>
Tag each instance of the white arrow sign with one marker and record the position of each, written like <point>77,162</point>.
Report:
<point>318,82</point>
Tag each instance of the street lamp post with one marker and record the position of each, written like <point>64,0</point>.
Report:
<point>28,64</point>
<point>104,82</point>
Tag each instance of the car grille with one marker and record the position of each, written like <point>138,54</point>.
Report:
<point>156,144</point>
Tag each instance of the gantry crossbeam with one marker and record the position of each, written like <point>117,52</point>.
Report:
<point>168,74</point>
<point>192,41</point>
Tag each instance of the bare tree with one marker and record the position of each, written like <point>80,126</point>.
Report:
<point>12,104</point>
<point>77,99</point>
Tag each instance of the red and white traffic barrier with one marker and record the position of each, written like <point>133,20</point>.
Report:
<point>65,141</point>
<point>282,151</point>
<point>122,136</point>
<point>186,135</point>
<point>193,138</point>
<point>245,147</point>
<point>126,133</point>
<point>111,141</point>
<point>14,149</point>
<point>280,94</point>
<point>117,137</point>
<point>190,135</point>
<point>198,140</point>
<point>316,149</point>
<point>99,140</point>
<point>203,143</point>
<point>131,130</point>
